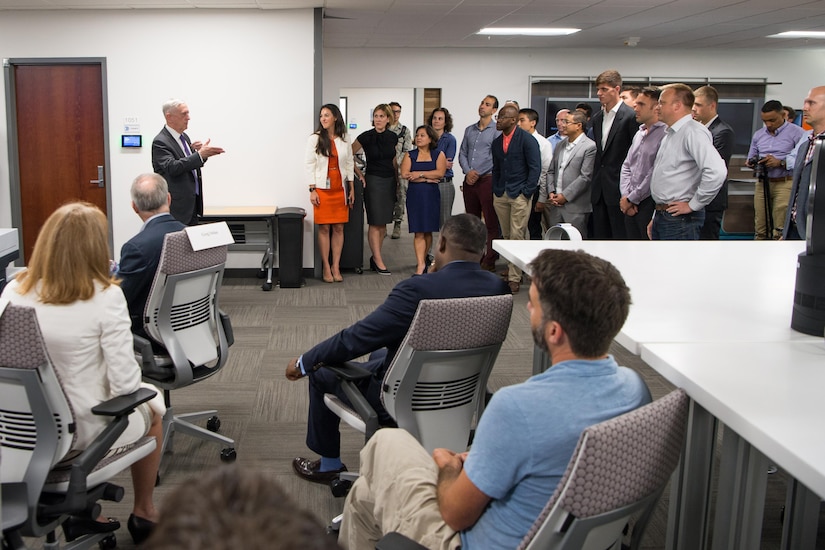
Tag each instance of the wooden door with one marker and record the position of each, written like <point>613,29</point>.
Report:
<point>60,137</point>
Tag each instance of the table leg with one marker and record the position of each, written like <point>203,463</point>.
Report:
<point>688,515</point>
<point>801,517</point>
<point>740,504</point>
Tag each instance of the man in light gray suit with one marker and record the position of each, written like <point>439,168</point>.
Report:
<point>568,179</point>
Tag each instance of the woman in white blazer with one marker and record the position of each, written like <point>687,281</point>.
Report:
<point>87,330</point>
<point>329,168</point>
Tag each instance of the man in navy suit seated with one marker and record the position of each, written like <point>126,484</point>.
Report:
<point>140,255</point>
<point>456,274</point>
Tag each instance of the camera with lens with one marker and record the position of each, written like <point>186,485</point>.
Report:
<point>759,170</point>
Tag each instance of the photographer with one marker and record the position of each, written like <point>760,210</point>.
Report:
<point>769,148</point>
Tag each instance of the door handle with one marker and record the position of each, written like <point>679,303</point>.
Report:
<point>99,181</point>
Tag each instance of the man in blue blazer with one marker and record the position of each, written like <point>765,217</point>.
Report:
<point>457,274</point>
<point>614,127</point>
<point>796,219</point>
<point>139,256</point>
<point>516,172</point>
<point>179,161</point>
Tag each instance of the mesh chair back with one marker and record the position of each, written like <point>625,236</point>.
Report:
<point>617,463</point>
<point>182,308</point>
<point>437,381</point>
<point>36,420</point>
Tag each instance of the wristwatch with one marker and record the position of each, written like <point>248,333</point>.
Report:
<point>311,189</point>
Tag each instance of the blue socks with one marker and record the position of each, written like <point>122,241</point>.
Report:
<point>329,464</point>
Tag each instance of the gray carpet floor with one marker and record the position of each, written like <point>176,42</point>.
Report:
<point>266,414</point>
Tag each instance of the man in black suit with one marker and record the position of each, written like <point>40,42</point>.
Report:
<point>704,110</point>
<point>457,274</point>
<point>796,219</point>
<point>179,161</point>
<point>613,130</point>
<point>140,255</point>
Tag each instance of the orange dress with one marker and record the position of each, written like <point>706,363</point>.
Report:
<point>333,208</point>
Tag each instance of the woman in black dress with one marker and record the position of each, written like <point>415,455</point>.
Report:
<point>380,182</point>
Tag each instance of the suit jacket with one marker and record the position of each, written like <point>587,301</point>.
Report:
<point>577,175</point>
<point>723,137</point>
<point>386,326</point>
<point>139,257</point>
<point>169,160</point>
<point>516,172</point>
<point>799,189</point>
<point>608,164</point>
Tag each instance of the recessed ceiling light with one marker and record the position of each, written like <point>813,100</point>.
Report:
<point>798,34</point>
<point>527,31</point>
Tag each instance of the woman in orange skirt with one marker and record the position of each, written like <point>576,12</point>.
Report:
<point>330,169</point>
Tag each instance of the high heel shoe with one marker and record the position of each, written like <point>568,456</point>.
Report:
<point>139,528</point>
<point>76,527</point>
<point>337,278</point>
<point>374,267</point>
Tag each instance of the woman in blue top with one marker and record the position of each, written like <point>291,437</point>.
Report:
<point>442,122</point>
<point>423,168</point>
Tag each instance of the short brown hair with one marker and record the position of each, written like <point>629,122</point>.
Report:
<point>708,92</point>
<point>586,295</point>
<point>70,257</point>
<point>683,93</point>
<point>610,77</point>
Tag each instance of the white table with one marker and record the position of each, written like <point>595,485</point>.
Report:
<point>716,296</point>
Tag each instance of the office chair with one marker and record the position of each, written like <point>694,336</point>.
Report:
<point>182,315</point>
<point>619,469</point>
<point>436,383</point>
<point>39,492</point>
<point>562,232</point>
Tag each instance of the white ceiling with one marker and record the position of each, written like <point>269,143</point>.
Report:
<point>710,24</point>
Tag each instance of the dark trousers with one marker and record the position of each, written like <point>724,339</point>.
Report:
<point>636,226</point>
<point>534,221</point>
<point>713,225</point>
<point>323,435</point>
<point>478,200</point>
<point>608,221</point>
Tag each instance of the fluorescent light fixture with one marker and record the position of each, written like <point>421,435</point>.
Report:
<point>527,31</point>
<point>798,34</point>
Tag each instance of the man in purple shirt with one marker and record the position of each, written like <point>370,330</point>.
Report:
<point>634,182</point>
<point>770,146</point>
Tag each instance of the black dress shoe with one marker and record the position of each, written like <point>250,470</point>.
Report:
<point>374,267</point>
<point>139,528</point>
<point>76,527</point>
<point>308,470</point>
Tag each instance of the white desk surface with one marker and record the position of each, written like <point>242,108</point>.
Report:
<point>695,291</point>
<point>771,394</point>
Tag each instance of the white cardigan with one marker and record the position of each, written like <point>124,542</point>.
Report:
<point>90,345</point>
<point>317,165</point>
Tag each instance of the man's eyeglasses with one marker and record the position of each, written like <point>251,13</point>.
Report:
<point>498,117</point>
<point>397,112</point>
<point>568,122</point>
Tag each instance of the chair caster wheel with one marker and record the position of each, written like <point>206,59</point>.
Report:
<point>340,487</point>
<point>213,424</point>
<point>266,287</point>
<point>108,543</point>
<point>359,270</point>
<point>229,454</point>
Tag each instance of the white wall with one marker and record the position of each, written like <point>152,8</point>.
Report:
<point>465,76</point>
<point>247,76</point>
<point>361,102</point>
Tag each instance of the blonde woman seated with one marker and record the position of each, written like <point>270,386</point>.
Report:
<point>423,168</point>
<point>86,327</point>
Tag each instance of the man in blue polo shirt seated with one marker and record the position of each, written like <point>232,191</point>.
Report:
<point>490,496</point>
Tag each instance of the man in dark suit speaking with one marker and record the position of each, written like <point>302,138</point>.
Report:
<point>457,274</point>
<point>179,161</point>
<point>140,255</point>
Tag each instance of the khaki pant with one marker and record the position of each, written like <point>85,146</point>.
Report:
<point>513,215</point>
<point>396,492</point>
<point>780,195</point>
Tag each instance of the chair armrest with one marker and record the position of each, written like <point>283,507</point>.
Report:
<point>227,328</point>
<point>397,541</point>
<point>123,404</point>
<point>143,347</point>
<point>350,370</point>
<point>362,407</point>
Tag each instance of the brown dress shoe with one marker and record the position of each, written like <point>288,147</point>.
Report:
<point>489,267</point>
<point>308,470</point>
<point>514,287</point>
